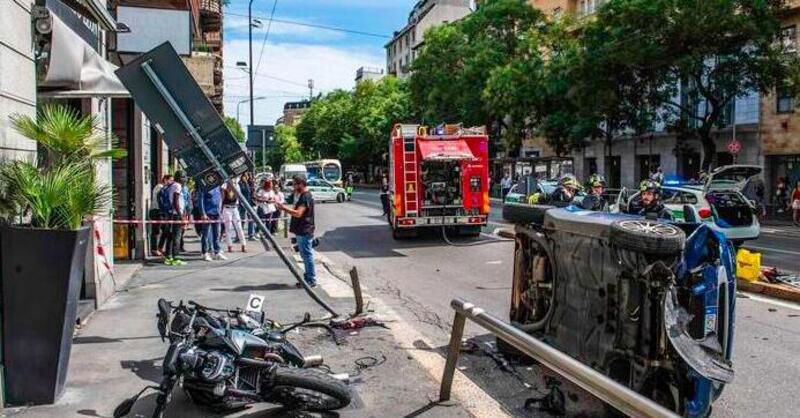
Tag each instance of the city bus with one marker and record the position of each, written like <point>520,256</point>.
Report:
<point>328,169</point>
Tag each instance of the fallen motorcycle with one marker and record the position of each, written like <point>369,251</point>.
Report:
<point>228,359</point>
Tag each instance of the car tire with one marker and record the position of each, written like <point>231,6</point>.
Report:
<point>648,237</point>
<point>523,214</point>
<point>340,197</point>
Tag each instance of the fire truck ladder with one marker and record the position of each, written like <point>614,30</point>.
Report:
<point>410,175</point>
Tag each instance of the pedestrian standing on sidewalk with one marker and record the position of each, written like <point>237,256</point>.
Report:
<point>210,206</point>
<point>279,198</point>
<point>265,198</point>
<point>186,194</point>
<point>796,204</point>
<point>158,233</point>
<point>505,185</point>
<point>230,215</point>
<point>177,213</point>
<point>781,195</point>
<point>247,187</point>
<point>385,194</point>
<point>302,225</point>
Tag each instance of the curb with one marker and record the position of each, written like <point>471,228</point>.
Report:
<point>779,291</point>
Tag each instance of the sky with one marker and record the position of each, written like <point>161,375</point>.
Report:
<point>293,54</point>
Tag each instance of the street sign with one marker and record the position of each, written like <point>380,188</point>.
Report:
<point>201,115</point>
<point>734,147</point>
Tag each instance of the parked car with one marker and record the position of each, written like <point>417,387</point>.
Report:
<point>631,297</point>
<point>719,201</point>
<point>324,191</point>
<point>519,192</point>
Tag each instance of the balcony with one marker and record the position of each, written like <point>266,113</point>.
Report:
<point>211,14</point>
<point>213,39</point>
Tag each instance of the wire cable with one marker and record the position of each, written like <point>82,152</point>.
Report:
<point>266,36</point>
<point>314,25</point>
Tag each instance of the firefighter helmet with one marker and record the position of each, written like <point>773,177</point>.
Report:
<point>597,180</point>
<point>650,186</point>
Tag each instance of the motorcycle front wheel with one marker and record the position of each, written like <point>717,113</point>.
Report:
<point>308,390</point>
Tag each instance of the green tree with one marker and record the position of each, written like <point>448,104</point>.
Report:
<point>697,57</point>
<point>452,71</point>
<point>287,148</point>
<point>235,128</point>
<point>354,126</point>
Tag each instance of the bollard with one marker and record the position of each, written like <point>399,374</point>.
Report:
<point>356,283</point>
<point>453,350</point>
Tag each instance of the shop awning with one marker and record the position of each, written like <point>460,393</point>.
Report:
<point>76,70</point>
<point>446,150</point>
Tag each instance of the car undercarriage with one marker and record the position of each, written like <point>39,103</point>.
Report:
<point>651,311</point>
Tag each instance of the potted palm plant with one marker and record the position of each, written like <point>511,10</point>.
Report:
<point>43,246</point>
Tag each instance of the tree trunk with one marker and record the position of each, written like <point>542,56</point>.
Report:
<point>709,151</point>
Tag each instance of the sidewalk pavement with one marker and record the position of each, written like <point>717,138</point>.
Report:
<point>119,351</point>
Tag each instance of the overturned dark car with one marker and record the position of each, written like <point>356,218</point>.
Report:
<point>649,303</point>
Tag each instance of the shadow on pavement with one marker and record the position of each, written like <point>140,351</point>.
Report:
<point>252,288</point>
<point>145,369</point>
<point>92,339</point>
<point>367,241</point>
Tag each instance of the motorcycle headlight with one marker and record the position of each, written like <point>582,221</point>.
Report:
<point>216,366</point>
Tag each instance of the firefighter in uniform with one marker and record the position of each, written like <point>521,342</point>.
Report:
<point>650,204</point>
<point>567,188</point>
<point>595,199</point>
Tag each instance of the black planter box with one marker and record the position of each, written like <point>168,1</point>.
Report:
<point>42,272</point>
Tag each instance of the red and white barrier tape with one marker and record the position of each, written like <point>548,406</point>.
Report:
<point>186,221</point>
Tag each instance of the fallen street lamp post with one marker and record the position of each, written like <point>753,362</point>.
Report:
<point>603,387</point>
<point>198,135</point>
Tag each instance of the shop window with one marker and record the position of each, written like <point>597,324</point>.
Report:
<point>784,100</point>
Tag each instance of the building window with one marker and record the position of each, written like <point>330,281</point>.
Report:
<point>789,38</point>
<point>784,101</point>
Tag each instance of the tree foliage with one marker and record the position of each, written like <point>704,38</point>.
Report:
<point>451,74</point>
<point>691,59</point>
<point>354,126</point>
<point>287,148</point>
<point>235,128</point>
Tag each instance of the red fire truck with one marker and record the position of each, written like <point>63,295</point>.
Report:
<point>438,179</point>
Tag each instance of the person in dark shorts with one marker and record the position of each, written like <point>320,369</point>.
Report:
<point>302,225</point>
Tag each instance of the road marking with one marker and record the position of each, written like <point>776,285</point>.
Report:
<point>772,301</point>
<point>756,247</point>
<point>494,262</point>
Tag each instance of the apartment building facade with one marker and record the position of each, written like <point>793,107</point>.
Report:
<point>780,123</point>
<point>404,47</point>
<point>194,28</point>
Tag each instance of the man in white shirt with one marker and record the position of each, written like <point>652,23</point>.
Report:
<point>505,184</point>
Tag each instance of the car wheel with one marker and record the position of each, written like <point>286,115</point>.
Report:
<point>648,237</point>
<point>340,197</point>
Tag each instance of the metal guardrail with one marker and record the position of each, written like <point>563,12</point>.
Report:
<point>603,387</point>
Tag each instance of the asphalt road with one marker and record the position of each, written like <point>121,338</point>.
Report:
<point>419,278</point>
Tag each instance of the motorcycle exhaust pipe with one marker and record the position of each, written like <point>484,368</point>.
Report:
<point>312,361</point>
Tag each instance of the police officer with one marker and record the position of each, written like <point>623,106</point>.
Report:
<point>595,199</point>
<point>650,204</point>
<point>567,188</point>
